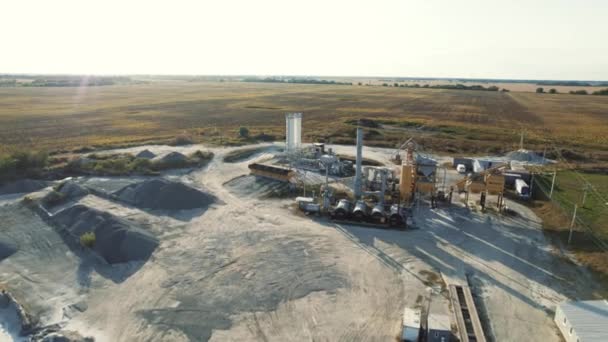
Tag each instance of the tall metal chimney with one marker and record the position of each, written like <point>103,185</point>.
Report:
<point>358,163</point>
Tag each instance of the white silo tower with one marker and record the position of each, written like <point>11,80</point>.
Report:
<point>293,133</point>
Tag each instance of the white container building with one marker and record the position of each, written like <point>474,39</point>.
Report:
<point>583,321</point>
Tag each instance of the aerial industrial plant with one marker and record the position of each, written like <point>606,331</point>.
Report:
<point>425,247</point>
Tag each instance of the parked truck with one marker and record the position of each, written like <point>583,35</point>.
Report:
<point>522,188</point>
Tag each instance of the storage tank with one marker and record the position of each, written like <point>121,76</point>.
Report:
<point>293,131</point>
<point>342,209</point>
<point>395,218</point>
<point>378,212</point>
<point>522,188</point>
<point>360,210</point>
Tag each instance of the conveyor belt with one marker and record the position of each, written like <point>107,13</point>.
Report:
<point>469,326</point>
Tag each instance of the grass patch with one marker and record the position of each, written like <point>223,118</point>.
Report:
<point>127,164</point>
<point>87,239</point>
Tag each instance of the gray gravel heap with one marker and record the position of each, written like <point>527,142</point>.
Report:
<point>164,194</point>
<point>116,240</point>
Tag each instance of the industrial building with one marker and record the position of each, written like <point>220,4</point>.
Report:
<point>583,321</point>
<point>438,328</point>
<point>412,329</point>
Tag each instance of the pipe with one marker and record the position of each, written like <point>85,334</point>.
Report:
<point>358,163</point>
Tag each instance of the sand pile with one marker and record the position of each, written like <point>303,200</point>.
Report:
<point>22,186</point>
<point>164,194</point>
<point>116,240</point>
<point>6,250</point>
<point>526,157</point>
<point>146,154</point>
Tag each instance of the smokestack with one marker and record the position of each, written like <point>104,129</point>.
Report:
<point>358,162</point>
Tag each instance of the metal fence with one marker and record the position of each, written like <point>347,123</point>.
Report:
<point>569,207</point>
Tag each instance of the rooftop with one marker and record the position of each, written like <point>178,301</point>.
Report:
<point>588,318</point>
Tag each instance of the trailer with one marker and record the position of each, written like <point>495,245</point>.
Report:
<point>522,188</point>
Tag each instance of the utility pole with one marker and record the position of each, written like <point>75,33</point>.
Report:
<point>531,185</point>
<point>544,153</point>
<point>585,189</point>
<point>552,184</point>
<point>572,223</point>
<point>521,140</point>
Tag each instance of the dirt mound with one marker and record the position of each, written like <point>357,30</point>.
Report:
<point>23,185</point>
<point>164,194</point>
<point>6,250</point>
<point>116,240</point>
<point>146,154</point>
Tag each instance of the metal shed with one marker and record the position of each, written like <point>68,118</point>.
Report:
<point>583,321</point>
<point>411,325</point>
<point>438,328</point>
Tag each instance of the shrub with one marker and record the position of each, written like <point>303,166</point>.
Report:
<point>244,132</point>
<point>578,92</point>
<point>552,91</point>
<point>181,140</point>
<point>540,90</point>
<point>87,239</point>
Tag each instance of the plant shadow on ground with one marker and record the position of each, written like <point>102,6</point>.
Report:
<point>459,243</point>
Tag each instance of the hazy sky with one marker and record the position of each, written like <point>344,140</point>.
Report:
<point>534,39</point>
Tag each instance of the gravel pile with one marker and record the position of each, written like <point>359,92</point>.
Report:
<point>67,191</point>
<point>146,154</point>
<point>22,186</point>
<point>164,194</point>
<point>116,240</point>
<point>71,189</point>
<point>6,250</point>
<point>172,157</point>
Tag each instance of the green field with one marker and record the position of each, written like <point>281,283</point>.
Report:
<point>67,118</point>
<point>569,190</point>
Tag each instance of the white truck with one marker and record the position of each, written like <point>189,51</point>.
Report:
<point>522,188</point>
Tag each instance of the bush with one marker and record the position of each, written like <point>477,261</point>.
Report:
<point>181,140</point>
<point>578,92</point>
<point>552,91</point>
<point>540,90</point>
<point>244,132</point>
<point>87,239</point>
<point>601,92</point>
<point>22,164</point>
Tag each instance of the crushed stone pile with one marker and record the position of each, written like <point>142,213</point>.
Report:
<point>164,194</point>
<point>116,240</point>
<point>146,154</point>
<point>172,157</point>
<point>14,314</point>
<point>23,186</point>
<point>6,250</point>
<point>71,189</point>
<point>525,156</point>
<point>67,191</point>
